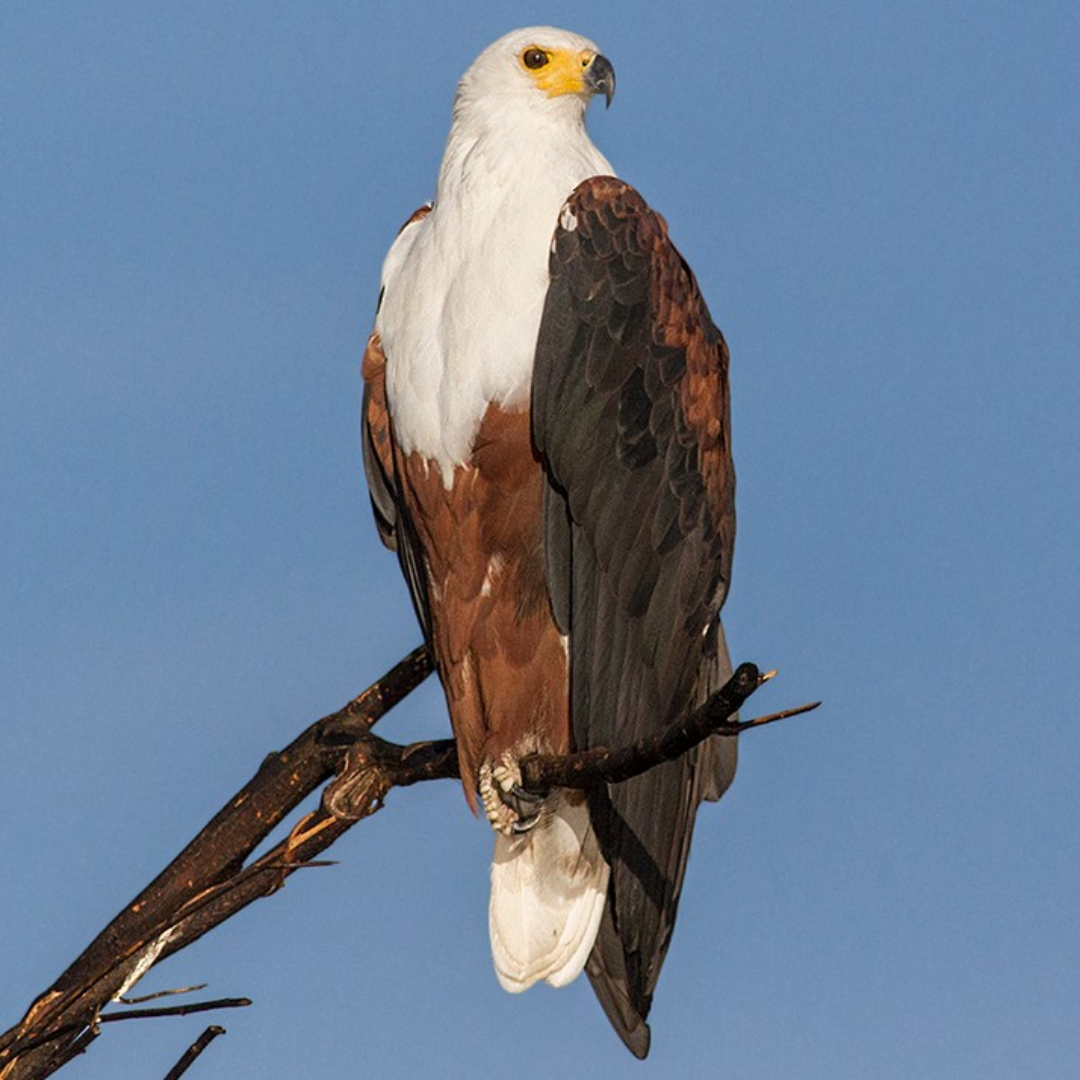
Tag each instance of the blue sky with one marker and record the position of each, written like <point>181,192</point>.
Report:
<point>881,204</point>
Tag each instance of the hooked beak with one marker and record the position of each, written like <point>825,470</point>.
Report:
<point>600,78</point>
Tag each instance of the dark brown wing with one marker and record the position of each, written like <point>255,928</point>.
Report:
<point>630,414</point>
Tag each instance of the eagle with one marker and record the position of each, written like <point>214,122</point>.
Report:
<point>547,446</point>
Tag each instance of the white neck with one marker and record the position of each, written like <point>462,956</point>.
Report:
<point>465,288</point>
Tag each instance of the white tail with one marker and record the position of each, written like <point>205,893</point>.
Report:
<point>548,888</point>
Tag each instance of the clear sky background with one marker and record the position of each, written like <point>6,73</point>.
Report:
<point>882,204</point>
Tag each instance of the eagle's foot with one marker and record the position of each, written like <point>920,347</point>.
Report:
<point>509,807</point>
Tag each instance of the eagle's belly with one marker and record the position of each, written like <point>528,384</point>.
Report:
<point>499,653</point>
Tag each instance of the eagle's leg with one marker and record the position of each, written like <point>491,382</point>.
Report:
<point>509,807</point>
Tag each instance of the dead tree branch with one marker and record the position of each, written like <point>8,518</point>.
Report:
<point>210,880</point>
<point>193,1051</point>
<point>204,885</point>
<point>376,765</point>
<point>175,1010</point>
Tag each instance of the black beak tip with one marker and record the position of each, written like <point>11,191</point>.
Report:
<point>601,77</point>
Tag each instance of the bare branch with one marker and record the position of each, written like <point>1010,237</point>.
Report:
<point>193,1051</point>
<point>375,765</point>
<point>603,764</point>
<point>205,884</point>
<point>175,1010</point>
<point>209,881</point>
<point>130,1014</point>
<point>160,994</point>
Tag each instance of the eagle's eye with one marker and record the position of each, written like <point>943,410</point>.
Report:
<point>534,59</point>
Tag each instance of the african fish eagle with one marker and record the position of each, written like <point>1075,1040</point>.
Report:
<point>547,446</point>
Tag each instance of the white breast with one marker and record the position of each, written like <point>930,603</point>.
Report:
<point>464,287</point>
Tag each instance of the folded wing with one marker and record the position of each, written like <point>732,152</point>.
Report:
<point>631,418</point>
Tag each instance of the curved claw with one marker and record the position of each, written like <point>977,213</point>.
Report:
<point>525,796</point>
<point>524,804</point>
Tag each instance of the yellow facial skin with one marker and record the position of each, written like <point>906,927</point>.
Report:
<point>558,71</point>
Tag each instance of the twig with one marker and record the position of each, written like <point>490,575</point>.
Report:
<point>175,1010</point>
<point>160,994</point>
<point>193,1051</point>
<point>89,1033</point>
<point>786,714</point>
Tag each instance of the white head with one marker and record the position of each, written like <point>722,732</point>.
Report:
<point>540,68</point>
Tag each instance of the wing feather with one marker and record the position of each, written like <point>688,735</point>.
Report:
<point>395,529</point>
<point>393,524</point>
<point>630,415</point>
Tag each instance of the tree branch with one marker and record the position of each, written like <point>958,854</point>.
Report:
<point>205,884</point>
<point>375,765</point>
<point>193,1051</point>
<point>175,1010</point>
<point>208,881</point>
<point>603,764</point>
